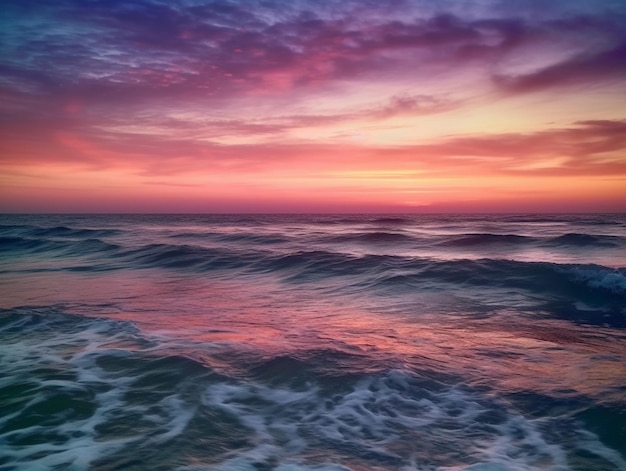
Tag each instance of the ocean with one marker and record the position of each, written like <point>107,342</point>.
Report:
<point>313,342</point>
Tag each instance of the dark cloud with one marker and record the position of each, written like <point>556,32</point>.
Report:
<point>108,49</point>
<point>581,69</point>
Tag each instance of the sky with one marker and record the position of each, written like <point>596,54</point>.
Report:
<point>248,106</point>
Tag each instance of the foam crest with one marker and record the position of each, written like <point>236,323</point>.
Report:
<point>601,278</point>
<point>396,422</point>
<point>89,393</point>
<point>77,400</point>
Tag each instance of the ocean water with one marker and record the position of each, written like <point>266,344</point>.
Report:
<point>327,343</point>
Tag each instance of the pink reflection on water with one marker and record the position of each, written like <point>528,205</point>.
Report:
<point>216,321</point>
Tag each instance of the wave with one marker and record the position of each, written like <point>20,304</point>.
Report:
<point>381,271</point>
<point>600,278</point>
<point>532,276</point>
<point>587,240</point>
<point>377,237</point>
<point>62,231</point>
<point>92,393</point>
<point>535,276</point>
<point>22,244</point>
<point>248,238</point>
<point>80,392</point>
<point>68,247</point>
<point>300,254</point>
<point>569,240</point>
<point>608,219</point>
<point>391,221</point>
<point>172,256</point>
<point>468,240</point>
<point>577,281</point>
<point>57,231</point>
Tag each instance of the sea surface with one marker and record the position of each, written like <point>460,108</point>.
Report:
<point>326,342</point>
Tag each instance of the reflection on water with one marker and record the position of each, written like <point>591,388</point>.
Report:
<point>251,320</point>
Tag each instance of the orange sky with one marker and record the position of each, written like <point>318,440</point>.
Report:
<point>334,107</point>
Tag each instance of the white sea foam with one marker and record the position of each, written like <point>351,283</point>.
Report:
<point>35,439</point>
<point>600,277</point>
<point>393,423</point>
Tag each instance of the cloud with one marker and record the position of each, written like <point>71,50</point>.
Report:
<point>110,79</point>
<point>114,51</point>
<point>580,69</point>
<point>396,106</point>
<point>586,148</point>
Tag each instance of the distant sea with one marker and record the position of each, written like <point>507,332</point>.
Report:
<point>326,342</point>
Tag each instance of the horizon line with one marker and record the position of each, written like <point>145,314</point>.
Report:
<point>315,213</point>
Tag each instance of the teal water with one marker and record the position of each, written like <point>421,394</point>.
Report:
<point>313,342</point>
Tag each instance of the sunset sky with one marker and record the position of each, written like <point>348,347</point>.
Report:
<point>312,106</point>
